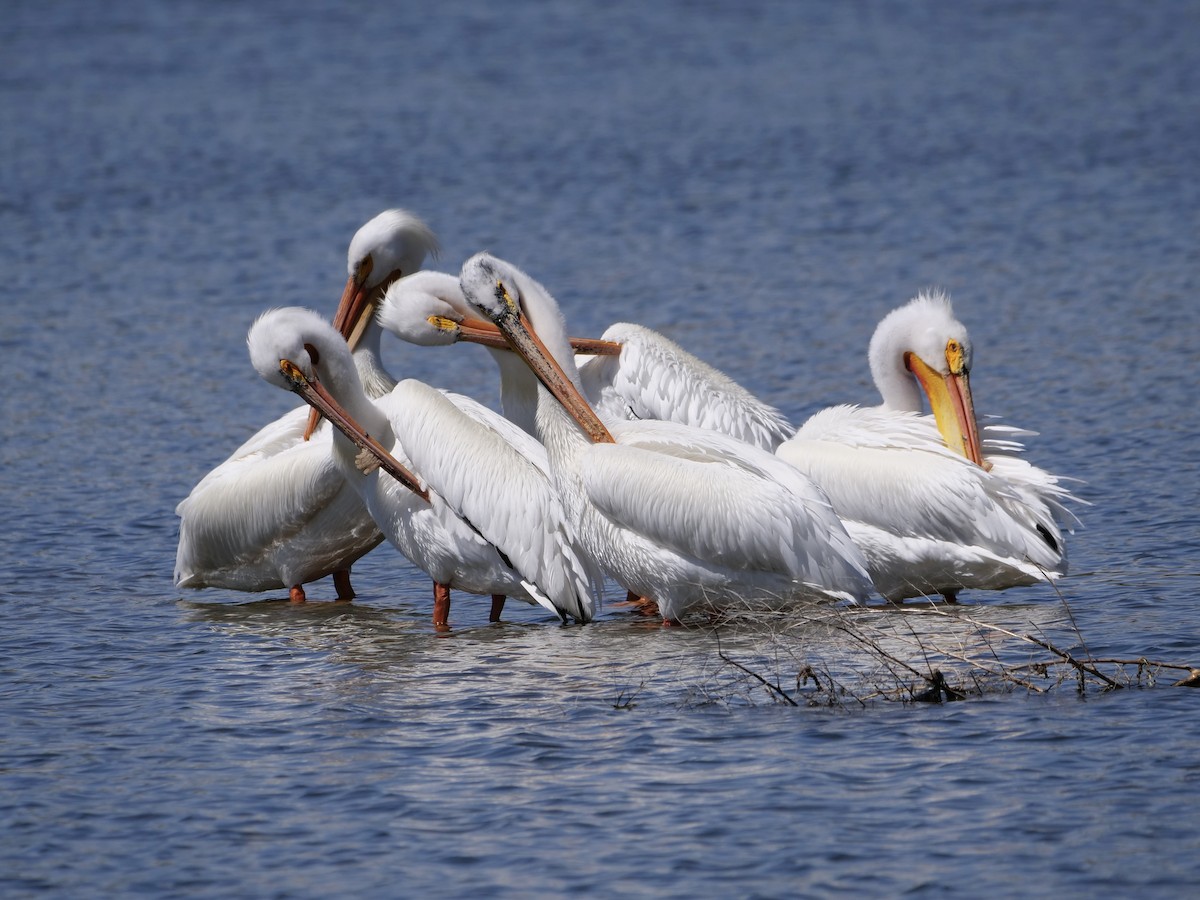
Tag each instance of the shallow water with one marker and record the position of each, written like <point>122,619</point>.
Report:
<point>760,183</point>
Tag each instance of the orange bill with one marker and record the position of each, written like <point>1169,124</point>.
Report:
<point>595,347</point>
<point>354,312</point>
<point>480,331</point>
<point>314,394</point>
<point>524,340</point>
<point>951,404</point>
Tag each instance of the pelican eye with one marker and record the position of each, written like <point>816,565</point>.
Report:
<point>362,271</point>
<point>505,296</point>
<point>292,373</point>
<point>956,357</point>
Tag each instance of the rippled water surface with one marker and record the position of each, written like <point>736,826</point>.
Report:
<point>759,181</point>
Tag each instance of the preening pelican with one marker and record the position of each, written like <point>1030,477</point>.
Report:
<point>631,372</point>
<point>686,517</point>
<point>936,504</point>
<point>278,513</point>
<point>478,516</point>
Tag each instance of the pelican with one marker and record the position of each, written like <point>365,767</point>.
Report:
<point>630,372</point>
<point>685,517</point>
<point>277,513</point>
<point>936,504</point>
<point>478,516</point>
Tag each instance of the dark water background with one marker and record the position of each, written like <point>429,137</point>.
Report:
<point>761,181</point>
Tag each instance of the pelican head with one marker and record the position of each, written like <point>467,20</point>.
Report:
<point>921,345</point>
<point>502,292</point>
<point>388,247</point>
<point>428,309</point>
<point>288,346</point>
<point>286,335</point>
<point>511,299</point>
<point>393,244</point>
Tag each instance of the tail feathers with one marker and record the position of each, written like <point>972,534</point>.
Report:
<point>542,600</point>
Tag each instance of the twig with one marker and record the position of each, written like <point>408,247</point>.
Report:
<point>1141,662</point>
<point>885,659</point>
<point>1070,615</point>
<point>627,702</point>
<point>1082,667</point>
<point>737,665</point>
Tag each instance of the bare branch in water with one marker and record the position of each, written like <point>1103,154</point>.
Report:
<point>775,688</point>
<point>927,652</point>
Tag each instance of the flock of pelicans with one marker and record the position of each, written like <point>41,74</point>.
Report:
<point>623,458</point>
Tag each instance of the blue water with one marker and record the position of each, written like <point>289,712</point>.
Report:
<point>761,182</point>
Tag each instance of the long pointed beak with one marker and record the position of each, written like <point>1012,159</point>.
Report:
<point>345,319</point>
<point>484,333</point>
<point>363,307</point>
<point>349,308</point>
<point>314,394</point>
<point>480,331</point>
<point>953,409</point>
<point>524,340</point>
<point>595,347</point>
<point>354,313</point>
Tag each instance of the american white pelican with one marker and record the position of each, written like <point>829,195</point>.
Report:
<point>935,504</point>
<point>631,372</point>
<point>686,517</point>
<point>480,516</point>
<point>277,513</point>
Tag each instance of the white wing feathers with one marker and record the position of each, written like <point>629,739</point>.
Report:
<point>932,492</point>
<point>522,441</point>
<point>735,519</point>
<point>655,378</point>
<point>1033,484</point>
<point>277,484</point>
<point>272,438</point>
<point>504,495</point>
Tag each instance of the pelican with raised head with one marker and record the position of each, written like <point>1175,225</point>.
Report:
<point>936,503</point>
<point>688,518</point>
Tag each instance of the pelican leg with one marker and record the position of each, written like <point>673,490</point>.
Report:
<point>296,594</point>
<point>497,607</point>
<point>441,605</point>
<point>641,605</point>
<point>341,581</point>
<point>644,606</point>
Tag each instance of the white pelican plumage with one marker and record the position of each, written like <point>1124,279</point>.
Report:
<point>936,504</point>
<point>630,372</point>
<point>686,517</point>
<point>480,516</point>
<point>655,378</point>
<point>277,513</point>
